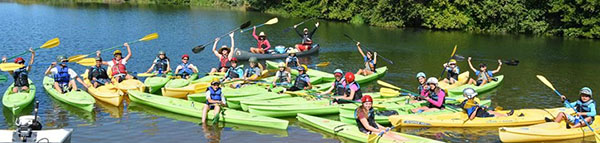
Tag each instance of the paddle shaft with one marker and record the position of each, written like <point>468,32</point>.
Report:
<point>291,27</point>
<point>385,59</point>
<point>117,46</point>
<point>244,30</point>
<point>21,54</point>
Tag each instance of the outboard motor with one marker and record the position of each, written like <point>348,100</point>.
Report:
<point>26,125</point>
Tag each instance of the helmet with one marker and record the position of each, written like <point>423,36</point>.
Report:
<point>233,60</point>
<point>252,59</point>
<point>338,71</point>
<point>366,98</point>
<point>117,52</point>
<point>215,81</point>
<point>98,59</point>
<point>452,61</point>
<point>19,60</point>
<point>281,65</point>
<point>349,77</point>
<point>301,68</point>
<point>469,92</point>
<point>421,74</point>
<point>432,80</point>
<point>60,58</point>
<point>586,91</point>
<point>262,34</point>
<point>161,53</point>
<point>185,56</point>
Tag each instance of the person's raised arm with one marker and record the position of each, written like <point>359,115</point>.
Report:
<point>231,52</point>
<point>360,49</point>
<point>214,49</point>
<point>314,30</point>
<point>375,58</point>
<point>471,65</point>
<point>31,59</point>
<point>499,66</point>
<point>128,52</point>
<point>254,33</point>
<point>298,32</point>
<point>50,68</point>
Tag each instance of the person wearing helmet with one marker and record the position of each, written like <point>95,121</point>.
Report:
<point>20,76</point>
<point>421,78</point>
<point>160,65</point>
<point>117,64</point>
<point>97,74</point>
<point>484,76</point>
<point>434,95</point>
<point>282,76</point>
<point>365,120</point>
<point>224,54</point>
<point>64,77</point>
<point>254,71</point>
<point>214,99</point>
<point>262,45</point>
<point>337,86</point>
<point>352,90</point>
<point>453,71</point>
<point>370,61</point>
<point>585,106</point>
<point>470,105</point>
<point>292,61</point>
<point>306,38</point>
<point>302,81</point>
<point>234,72</point>
<point>185,69</point>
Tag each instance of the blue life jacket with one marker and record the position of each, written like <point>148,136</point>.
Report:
<point>339,87</point>
<point>252,71</point>
<point>161,65</point>
<point>584,106</point>
<point>233,72</point>
<point>292,61</point>
<point>357,93</point>
<point>185,70</point>
<point>62,76</point>
<point>215,94</point>
<point>20,76</point>
<point>300,82</point>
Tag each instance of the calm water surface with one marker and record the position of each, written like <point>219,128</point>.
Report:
<point>568,63</point>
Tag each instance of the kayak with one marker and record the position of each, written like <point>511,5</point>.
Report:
<point>228,92</point>
<point>130,84</point>
<point>463,78</point>
<point>292,110</point>
<point>79,99</point>
<point>352,132</point>
<point>360,79</point>
<point>280,102</point>
<point>245,55</point>
<point>183,92</point>
<point>207,78</point>
<point>313,79</point>
<point>16,102</point>
<point>459,119</point>
<point>480,89</point>
<point>235,103</point>
<point>106,93</point>
<point>545,132</point>
<point>46,135</point>
<point>194,109</point>
<point>327,77</point>
<point>155,83</point>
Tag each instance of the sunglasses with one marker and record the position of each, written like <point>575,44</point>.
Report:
<point>185,59</point>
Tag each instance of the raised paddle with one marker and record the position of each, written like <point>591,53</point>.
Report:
<point>385,84</point>
<point>270,22</point>
<point>10,66</point>
<point>511,62</point>
<point>145,38</point>
<point>199,48</point>
<point>292,27</point>
<point>452,55</point>
<point>49,44</point>
<point>547,83</point>
<point>88,62</point>
<point>146,74</point>
<point>385,59</point>
<point>321,64</point>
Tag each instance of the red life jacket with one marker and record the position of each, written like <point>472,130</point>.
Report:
<point>118,68</point>
<point>224,61</point>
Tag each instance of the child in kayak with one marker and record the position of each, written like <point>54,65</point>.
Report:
<point>352,90</point>
<point>234,72</point>
<point>97,74</point>
<point>470,105</point>
<point>185,69</point>
<point>20,76</point>
<point>585,106</point>
<point>453,71</point>
<point>302,81</point>
<point>421,78</point>
<point>484,76</point>
<point>370,61</point>
<point>63,76</point>
<point>282,76</point>
<point>292,61</point>
<point>365,120</point>
<point>337,87</point>
<point>223,54</point>
<point>262,45</point>
<point>306,38</point>
<point>214,99</point>
<point>160,65</point>
<point>254,71</point>
<point>117,64</point>
<point>434,95</point>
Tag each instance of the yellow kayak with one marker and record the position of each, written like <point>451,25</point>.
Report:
<point>107,93</point>
<point>130,84</point>
<point>545,132</point>
<point>183,92</point>
<point>459,119</point>
<point>463,78</point>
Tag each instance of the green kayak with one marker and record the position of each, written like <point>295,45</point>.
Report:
<point>207,78</point>
<point>280,102</point>
<point>194,109</point>
<point>327,77</point>
<point>480,89</point>
<point>228,92</point>
<point>155,83</point>
<point>292,110</point>
<point>365,79</point>
<point>313,79</point>
<point>79,99</point>
<point>16,102</point>
<point>235,103</point>
<point>352,132</point>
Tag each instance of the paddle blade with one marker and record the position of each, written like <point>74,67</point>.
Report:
<point>51,43</point>
<point>545,81</point>
<point>323,64</point>
<point>386,92</point>
<point>149,37</point>
<point>511,62</point>
<point>76,58</point>
<point>198,49</point>
<point>87,62</point>
<point>385,84</point>
<point>372,138</point>
<point>245,25</point>
<point>597,137</point>
<point>10,66</point>
<point>145,74</point>
<point>272,21</point>
<point>453,51</point>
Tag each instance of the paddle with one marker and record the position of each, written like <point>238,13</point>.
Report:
<point>88,62</point>
<point>10,66</point>
<point>547,83</point>
<point>385,59</point>
<point>385,84</point>
<point>270,22</point>
<point>199,48</point>
<point>145,38</point>
<point>49,44</point>
<point>146,74</point>
<point>511,62</point>
<point>374,138</point>
<point>292,27</point>
<point>452,55</point>
<point>388,92</point>
<point>321,64</point>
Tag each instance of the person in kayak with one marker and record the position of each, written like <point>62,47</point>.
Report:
<point>160,65</point>
<point>292,61</point>
<point>282,76</point>
<point>365,120</point>
<point>421,78</point>
<point>370,62</point>
<point>234,72</point>
<point>223,54</point>
<point>484,76</point>
<point>63,76</point>
<point>185,69</point>
<point>97,74</point>
<point>262,45</point>
<point>585,106</point>
<point>20,76</point>
<point>453,71</point>
<point>214,99</point>
<point>337,87</point>
<point>434,95</point>
<point>306,38</point>
<point>117,64</point>
<point>254,71</point>
<point>302,81</point>
<point>352,90</point>
<point>470,105</point>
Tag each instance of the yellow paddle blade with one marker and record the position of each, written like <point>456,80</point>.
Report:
<point>372,138</point>
<point>453,51</point>
<point>76,58</point>
<point>383,83</point>
<point>145,74</point>
<point>87,62</point>
<point>545,81</point>
<point>10,66</point>
<point>272,21</point>
<point>51,43</point>
<point>386,92</point>
<point>149,37</point>
<point>322,64</point>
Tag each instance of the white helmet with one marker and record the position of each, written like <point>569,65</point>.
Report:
<point>469,92</point>
<point>432,80</point>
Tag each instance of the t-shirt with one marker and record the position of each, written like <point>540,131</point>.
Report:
<point>111,63</point>
<point>353,87</point>
<point>71,72</point>
<point>490,73</point>
<point>361,115</point>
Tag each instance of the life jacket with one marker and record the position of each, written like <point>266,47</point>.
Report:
<point>223,61</point>
<point>62,76</point>
<point>252,71</point>
<point>584,106</point>
<point>283,75</point>
<point>232,72</point>
<point>20,76</point>
<point>357,93</point>
<point>292,61</point>
<point>118,67</point>
<point>420,88</point>
<point>370,120</point>
<point>371,62</point>
<point>469,107</point>
<point>481,75</point>
<point>185,70</point>
<point>452,74</point>
<point>300,82</point>
<point>98,72</point>
<point>215,94</point>
<point>339,87</point>
<point>161,65</point>
<point>306,39</point>
<point>435,97</point>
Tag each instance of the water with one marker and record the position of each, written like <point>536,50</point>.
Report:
<point>569,63</point>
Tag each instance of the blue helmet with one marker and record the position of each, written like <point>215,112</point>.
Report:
<point>338,71</point>
<point>586,90</point>
<point>421,74</point>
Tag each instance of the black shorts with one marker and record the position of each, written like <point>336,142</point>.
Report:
<point>483,113</point>
<point>293,88</point>
<point>433,106</point>
<point>21,82</point>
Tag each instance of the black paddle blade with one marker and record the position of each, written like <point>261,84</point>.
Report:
<point>512,62</point>
<point>198,49</point>
<point>458,57</point>
<point>245,25</point>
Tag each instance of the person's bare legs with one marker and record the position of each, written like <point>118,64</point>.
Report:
<point>57,87</point>
<point>423,108</point>
<point>73,85</point>
<point>204,112</point>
